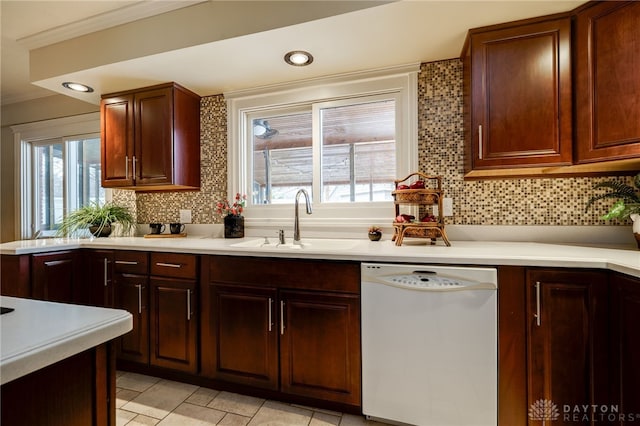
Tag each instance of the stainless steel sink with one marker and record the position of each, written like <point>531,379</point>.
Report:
<point>306,244</point>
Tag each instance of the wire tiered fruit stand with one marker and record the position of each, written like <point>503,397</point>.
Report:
<point>410,192</point>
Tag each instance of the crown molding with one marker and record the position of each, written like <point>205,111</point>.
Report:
<point>134,12</point>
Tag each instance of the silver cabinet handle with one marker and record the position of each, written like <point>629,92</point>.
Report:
<point>125,262</point>
<point>480,141</point>
<point>54,262</point>
<point>126,166</point>
<point>169,265</point>
<point>139,287</point>
<point>270,317</point>
<point>537,314</point>
<point>282,317</point>
<point>106,262</point>
<point>135,161</point>
<point>188,304</point>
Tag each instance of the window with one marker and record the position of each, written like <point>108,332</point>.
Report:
<point>66,176</point>
<point>59,169</point>
<point>343,139</point>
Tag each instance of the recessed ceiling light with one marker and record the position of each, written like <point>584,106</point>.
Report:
<point>298,58</point>
<point>77,87</point>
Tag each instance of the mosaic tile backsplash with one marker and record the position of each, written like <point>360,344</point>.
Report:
<point>557,201</point>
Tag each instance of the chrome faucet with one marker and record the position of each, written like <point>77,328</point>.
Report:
<point>296,224</point>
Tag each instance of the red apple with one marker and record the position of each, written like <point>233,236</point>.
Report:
<point>402,187</point>
<point>419,184</point>
<point>428,218</point>
<point>399,219</point>
<point>408,217</point>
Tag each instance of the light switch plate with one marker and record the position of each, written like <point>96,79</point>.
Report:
<point>447,207</point>
<point>185,216</point>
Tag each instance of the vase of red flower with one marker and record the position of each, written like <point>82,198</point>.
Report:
<point>232,213</point>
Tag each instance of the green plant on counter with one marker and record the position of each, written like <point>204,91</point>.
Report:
<point>628,198</point>
<point>97,216</point>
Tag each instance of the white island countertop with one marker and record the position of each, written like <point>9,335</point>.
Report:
<point>624,259</point>
<point>38,333</point>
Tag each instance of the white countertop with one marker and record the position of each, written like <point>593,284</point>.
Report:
<point>38,333</point>
<point>625,259</point>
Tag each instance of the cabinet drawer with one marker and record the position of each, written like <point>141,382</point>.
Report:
<point>307,274</point>
<point>174,265</point>
<point>131,262</point>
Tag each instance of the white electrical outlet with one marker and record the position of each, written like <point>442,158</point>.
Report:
<point>447,207</point>
<point>185,216</point>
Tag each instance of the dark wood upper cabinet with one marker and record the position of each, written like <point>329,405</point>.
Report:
<point>150,139</point>
<point>517,90</point>
<point>607,58</point>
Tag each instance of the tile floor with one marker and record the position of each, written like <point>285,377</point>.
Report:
<point>146,400</point>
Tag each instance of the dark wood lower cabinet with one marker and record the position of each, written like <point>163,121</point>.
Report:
<point>98,280</point>
<point>625,347</point>
<point>262,328</point>
<point>77,391</point>
<point>320,345</point>
<point>132,294</point>
<point>55,276</point>
<point>567,341</point>
<point>241,317</point>
<point>174,330</point>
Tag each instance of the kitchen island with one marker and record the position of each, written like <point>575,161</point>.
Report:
<point>57,365</point>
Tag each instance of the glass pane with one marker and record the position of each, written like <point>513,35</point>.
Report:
<point>282,158</point>
<point>49,184</point>
<point>358,152</point>
<point>84,173</point>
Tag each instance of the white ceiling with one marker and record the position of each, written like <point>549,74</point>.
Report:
<point>84,41</point>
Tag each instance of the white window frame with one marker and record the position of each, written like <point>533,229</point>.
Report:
<point>24,135</point>
<point>340,218</point>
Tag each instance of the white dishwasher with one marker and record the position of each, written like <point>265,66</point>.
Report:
<point>429,344</point>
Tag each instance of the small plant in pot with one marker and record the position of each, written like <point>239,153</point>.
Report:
<point>97,219</point>
<point>375,233</point>
<point>627,204</point>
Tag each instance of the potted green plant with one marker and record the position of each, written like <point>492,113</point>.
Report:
<point>627,204</point>
<point>97,219</point>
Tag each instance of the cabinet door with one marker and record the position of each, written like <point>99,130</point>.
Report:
<point>173,324</point>
<point>15,275</point>
<point>132,294</point>
<point>240,337</point>
<point>116,141</point>
<point>520,83</point>
<point>625,344</point>
<point>154,137</point>
<point>607,83</point>
<point>55,276</point>
<point>320,345</point>
<point>99,277</point>
<point>567,340</point>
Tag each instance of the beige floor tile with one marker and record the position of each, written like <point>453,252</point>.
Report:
<point>192,415</point>
<point>236,403</point>
<point>234,420</point>
<point>160,399</point>
<point>320,410</point>
<point>202,396</point>
<point>351,420</point>
<point>124,395</point>
<point>141,420</point>
<point>277,413</point>
<point>123,417</point>
<point>324,419</point>
<point>136,382</point>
